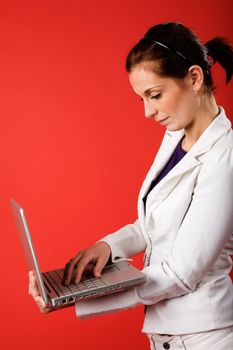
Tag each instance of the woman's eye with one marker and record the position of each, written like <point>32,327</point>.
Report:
<point>156,96</point>
<point>153,97</point>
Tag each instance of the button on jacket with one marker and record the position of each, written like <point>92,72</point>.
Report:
<point>186,234</point>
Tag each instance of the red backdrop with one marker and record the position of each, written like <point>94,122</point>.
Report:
<point>75,146</point>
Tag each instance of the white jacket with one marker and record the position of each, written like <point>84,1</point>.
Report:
<point>185,233</point>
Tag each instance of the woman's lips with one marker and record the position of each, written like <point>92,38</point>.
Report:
<point>163,121</point>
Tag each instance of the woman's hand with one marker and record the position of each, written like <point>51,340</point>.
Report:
<point>34,292</point>
<point>92,259</point>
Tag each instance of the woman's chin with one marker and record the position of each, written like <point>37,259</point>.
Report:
<point>172,127</point>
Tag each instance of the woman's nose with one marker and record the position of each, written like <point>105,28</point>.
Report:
<point>149,110</point>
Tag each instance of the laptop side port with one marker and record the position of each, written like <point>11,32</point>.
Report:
<point>86,295</point>
<point>93,293</point>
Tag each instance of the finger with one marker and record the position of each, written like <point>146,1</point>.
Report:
<point>41,304</point>
<point>30,281</point>
<point>30,275</point>
<point>80,270</point>
<point>89,268</point>
<point>68,272</point>
<point>81,267</point>
<point>69,269</point>
<point>65,273</point>
<point>99,267</point>
<point>33,289</point>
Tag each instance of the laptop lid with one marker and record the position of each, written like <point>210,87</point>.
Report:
<point>28,247</point>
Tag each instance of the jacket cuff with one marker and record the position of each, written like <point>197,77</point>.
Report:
<point>114,257</point>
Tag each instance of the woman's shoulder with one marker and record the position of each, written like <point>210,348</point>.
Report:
<point>222,146</point>
<point>219,159</point>
<point>216,168</point>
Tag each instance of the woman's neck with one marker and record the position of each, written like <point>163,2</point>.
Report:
<point>207,112</point>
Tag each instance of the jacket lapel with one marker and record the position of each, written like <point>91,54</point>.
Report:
<point>166,150</point>
<point>167,184</point>
<point>210,136</point>
<point>169,143</point>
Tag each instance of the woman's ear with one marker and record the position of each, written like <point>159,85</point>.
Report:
<point>196,77</point>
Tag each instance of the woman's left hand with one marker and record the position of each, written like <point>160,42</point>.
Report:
<point>34,292</point>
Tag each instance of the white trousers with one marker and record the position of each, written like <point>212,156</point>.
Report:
<point>220,339</point>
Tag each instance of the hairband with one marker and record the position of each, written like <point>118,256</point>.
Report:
<point>168,48</point>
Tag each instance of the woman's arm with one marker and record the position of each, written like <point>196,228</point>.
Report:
<point>205,230</point>
<point>120,245</point>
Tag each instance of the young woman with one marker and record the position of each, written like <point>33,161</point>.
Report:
<point>185,206</point>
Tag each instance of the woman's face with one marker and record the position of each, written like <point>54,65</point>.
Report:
<point>171,102</point>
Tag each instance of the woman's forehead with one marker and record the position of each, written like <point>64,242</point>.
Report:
<point>143,78</point>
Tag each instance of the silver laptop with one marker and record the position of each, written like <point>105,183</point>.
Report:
<point>114,278</point>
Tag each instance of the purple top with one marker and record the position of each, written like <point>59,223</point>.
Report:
<point>177,155</point>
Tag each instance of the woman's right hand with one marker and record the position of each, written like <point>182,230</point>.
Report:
<point>91,259</point>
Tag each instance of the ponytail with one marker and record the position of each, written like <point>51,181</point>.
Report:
<point>221,51</point>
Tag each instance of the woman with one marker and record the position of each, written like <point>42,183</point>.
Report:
<point>185,206</point>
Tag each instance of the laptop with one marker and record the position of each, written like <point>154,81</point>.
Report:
<point>114,278</point>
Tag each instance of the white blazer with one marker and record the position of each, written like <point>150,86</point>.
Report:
<point>185,232</point>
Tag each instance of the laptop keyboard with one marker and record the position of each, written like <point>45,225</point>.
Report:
<point>87,283</point>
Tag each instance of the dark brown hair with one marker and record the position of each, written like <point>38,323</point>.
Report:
<point>175,48</point>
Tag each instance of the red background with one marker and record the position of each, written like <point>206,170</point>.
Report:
<point>75,147</point>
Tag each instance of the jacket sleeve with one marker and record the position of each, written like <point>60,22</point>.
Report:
<point>205,231</point>
<point>126,242</point>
